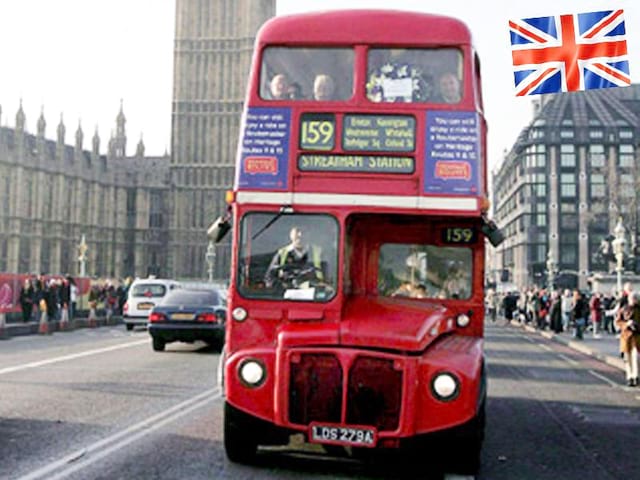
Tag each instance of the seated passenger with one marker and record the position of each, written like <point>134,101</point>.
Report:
<point>449,88</point>
<point>279,87</point>
<point>294,92</point>
<point>324,87</point>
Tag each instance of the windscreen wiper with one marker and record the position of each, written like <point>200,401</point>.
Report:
<point>285,209</point>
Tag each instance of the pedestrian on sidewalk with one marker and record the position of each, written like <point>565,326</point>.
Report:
<point>26,300</point>
<point>555,313</point>
<point>628,322</point>
<point>579,314</point>
<point>595,308</point>
<point>566,307</point>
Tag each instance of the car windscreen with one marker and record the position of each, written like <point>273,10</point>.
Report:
<point>148,290</point>
<point>194,298</point>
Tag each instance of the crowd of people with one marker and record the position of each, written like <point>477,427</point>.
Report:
<point>575,312</point>
<point>52,295</point>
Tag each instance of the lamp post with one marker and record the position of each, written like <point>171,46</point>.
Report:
<point>82,257</point>
<point>551,269</point>
<point>618,245</point>
<point>210,258</point>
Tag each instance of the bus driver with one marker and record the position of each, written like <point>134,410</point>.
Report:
<point>295,263</point>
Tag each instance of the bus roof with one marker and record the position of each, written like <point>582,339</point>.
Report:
<point>364,26</point>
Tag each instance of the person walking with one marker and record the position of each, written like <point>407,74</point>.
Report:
<point>555,313</point>
<point>595,309</point>
<point>579,314</point>
<point>628,322</point>
<point>566,306</point>
<point>26,299</point>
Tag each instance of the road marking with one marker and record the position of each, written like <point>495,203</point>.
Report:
<point>603,378</point>
<point>73,356</point>
<point>546,347</point>
<point>567,359</point>
<point>100,449</point>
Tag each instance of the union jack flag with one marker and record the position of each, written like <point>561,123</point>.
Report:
<point>567,53</point>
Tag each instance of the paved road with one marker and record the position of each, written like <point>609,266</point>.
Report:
<point>100,404</point>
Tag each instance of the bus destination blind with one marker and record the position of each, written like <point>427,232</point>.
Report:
<point>355,163</point>
<point>379,133</point>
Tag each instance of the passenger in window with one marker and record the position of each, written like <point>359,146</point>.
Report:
<point>324,88</point>
<point>449,88</point>
<point>279,87</point>
<point>294,92</point>
<point>295,263</point>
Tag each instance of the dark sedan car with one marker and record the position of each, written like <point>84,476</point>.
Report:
<point>187,315</point>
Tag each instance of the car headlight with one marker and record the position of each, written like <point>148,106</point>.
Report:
<point>239,314</point>
<point>445,387</point>
<point>252,372</point>
<point>463,320</point>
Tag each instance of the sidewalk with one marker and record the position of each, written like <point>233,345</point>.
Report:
<point>14,329</point>
<point>604,347</point>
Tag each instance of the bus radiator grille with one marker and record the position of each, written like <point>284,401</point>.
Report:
<point>374,393</point>
<point>315,389</point>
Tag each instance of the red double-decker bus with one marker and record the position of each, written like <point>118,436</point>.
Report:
<point>358,213</point>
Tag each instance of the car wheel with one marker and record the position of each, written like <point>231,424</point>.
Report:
<point>129,326</point>
<point>240,442</point>
<point>158,344</point>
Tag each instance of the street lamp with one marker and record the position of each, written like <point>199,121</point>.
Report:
<point>618,245</point>
<point>82,257</point>
<point>210,258</point>
<point>551,269</point>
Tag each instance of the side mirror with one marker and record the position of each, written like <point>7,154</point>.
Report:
<point>492,232</point>
<point>219,229</point>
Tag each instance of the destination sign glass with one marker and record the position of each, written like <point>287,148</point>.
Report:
<point>356,163</point>
<point>379,133</point>
<point>317,131</point>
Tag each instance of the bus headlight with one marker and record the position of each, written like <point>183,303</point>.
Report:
<point>239,314</point>
<point>463,320</point>
<point>252,372</point>
<point>445,387</point>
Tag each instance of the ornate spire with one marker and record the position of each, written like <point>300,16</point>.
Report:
<point>95,142</point>
<point>79,136</point>
<point>140,148</point>
<point>20,118</point>
<point>42,123</point>
<point>61,131</point>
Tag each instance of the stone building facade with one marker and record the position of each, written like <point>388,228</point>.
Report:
<point>213,49</point>
<point>139,214</point>
<point>561,189</point>
<point>52,194</point>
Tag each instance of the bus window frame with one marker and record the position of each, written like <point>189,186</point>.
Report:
<point>265,75</point>
<point>334,269</point>
<point>373,76</point>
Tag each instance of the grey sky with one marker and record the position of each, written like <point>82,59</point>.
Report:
<point>80,57</point>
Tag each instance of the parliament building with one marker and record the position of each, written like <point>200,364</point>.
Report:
<point>139,214</point>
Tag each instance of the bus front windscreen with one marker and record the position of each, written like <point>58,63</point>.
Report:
<point>290,257</point>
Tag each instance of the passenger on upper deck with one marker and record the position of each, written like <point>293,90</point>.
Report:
<point>324,87</point>
<point>449,88</point>
<point>279,87</point>
<point>295,263</point>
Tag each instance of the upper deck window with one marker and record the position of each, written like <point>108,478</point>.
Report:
<point>321,74</point>
<point>414,75</point>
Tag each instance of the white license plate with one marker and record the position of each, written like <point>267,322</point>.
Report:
<point>357,436</point>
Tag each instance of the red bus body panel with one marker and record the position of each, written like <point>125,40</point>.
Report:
<point>393,346</point>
